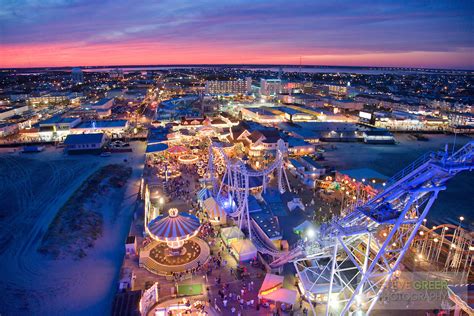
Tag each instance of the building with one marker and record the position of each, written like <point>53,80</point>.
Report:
<point>7,112</point>
<point>299,147</point>
<point>294,114</point>
<point>116,93</point>
<point>103,107</point>
<point>8,129</point>
<point>261,115</point>
<point>84,143</point>
<point>270,87</point>
<point>77,75</point>
<point>299,98</point>
<point>307,170</point>
<point>116,73</point>
<point>57,127</point>
<point>378,136</point>
<point>229,86</point>
<point>341,91</point>
<point>18,96</point>
<point>256,139</point>
<point>49,98</point>
<point>112,128</point>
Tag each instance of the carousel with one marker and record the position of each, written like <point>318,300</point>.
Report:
<point>188,159</point>
<point>174,246</point>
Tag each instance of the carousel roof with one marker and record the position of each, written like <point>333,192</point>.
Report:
<point>174,226</point>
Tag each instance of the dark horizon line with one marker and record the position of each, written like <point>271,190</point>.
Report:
<point>236,66</point>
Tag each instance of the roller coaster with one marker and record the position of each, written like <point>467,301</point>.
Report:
<point>234,186</point>
<point>349,260</point>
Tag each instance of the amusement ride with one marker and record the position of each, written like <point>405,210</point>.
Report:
<point>348,259</point>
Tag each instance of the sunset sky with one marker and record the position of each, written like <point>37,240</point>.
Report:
<point>436,34</point>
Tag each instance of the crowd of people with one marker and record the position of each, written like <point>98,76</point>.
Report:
<point>230,289</point>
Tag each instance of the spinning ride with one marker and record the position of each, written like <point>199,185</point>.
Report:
<point>174,246</point>
<point>174,229</point>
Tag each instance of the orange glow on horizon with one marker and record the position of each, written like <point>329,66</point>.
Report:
<point>58,55</point>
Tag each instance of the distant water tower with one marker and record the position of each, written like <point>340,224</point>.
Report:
<point>77,75</point>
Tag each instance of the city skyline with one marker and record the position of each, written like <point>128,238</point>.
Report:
<point>383,34</point>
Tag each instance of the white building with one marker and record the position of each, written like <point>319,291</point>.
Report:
<point>112,128</point>
<point>57,127</point>
<point>103,107</point>
<point>8,112</point>
<point>50,98</point>
<point>270,87</point>
<point>229,86</point>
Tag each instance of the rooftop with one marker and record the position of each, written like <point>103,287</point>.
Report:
<point>103,124</point>
<point>75,139</point>
<point>57,119</point>
<point>102,101</point>
<point>311,162</point>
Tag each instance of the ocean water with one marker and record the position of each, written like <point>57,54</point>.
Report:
<point>303,69</point>
<point>457,200</point>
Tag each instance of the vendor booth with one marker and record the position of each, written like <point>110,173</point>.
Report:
<point>231,234</point>
<point>217,216</point>
<point>272,291</point>
<point>243,250</point>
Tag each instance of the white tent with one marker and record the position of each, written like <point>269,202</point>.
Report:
<point>243,249</point>
<point>272,290</point>
<point>217,216</point>
<point>293,204</point>
<point>229,234</point>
